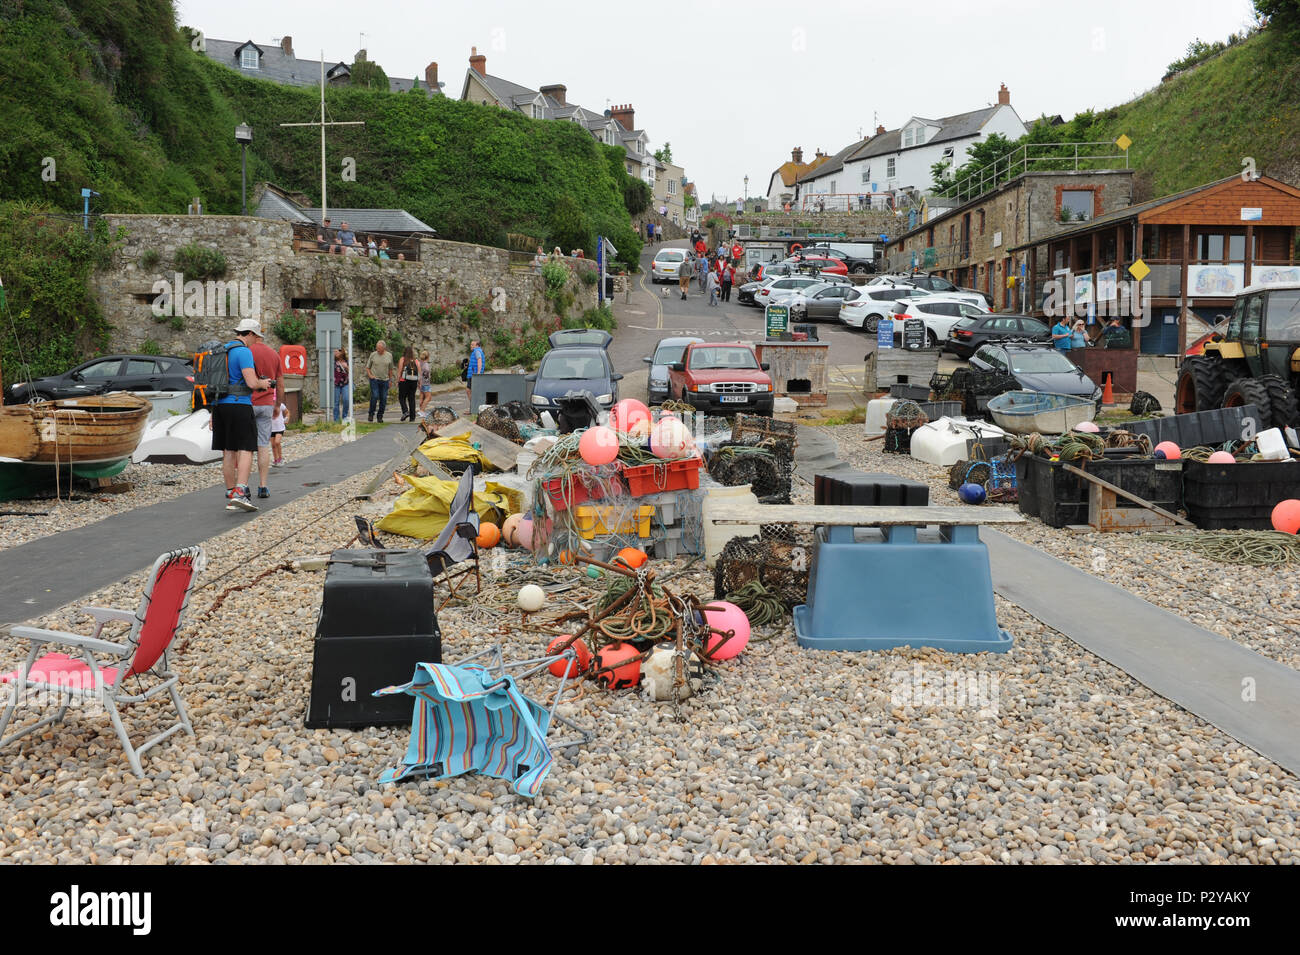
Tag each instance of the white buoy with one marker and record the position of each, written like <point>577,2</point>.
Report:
<point>531,598</point>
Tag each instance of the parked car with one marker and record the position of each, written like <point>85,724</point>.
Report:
<point>666,264</point>
<point>856,264</point>
<point>935,284</point>
<point>763,296</point>
<point>745,294</point>
<point>820,302</point>
<point>873,303</point>
<point>668,350</point>
<point>580,336</point>
<point>721,379</point>
<point>817,264</point>
<point>109,373</point>
<point>939,312</point>
<point>573,368</point>
<point>1037,368</point>
<point>970,333</point>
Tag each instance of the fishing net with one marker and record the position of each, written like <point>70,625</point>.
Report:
<point>1143,403</point>
<point>768,472</point>
<point>778,558</point>
<point>511,421</point>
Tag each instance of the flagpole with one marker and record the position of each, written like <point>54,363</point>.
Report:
<point>324,204</point>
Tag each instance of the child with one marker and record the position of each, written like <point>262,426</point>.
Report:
<point>277,434</point>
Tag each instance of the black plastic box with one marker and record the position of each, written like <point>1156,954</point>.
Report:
<point>1201,428</point>
<point>869,489</point>
<point>1223,496</point>
<point>376,623</point>
<point>1057,497</point>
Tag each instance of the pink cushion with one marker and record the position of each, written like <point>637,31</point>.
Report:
<point>60,670</point>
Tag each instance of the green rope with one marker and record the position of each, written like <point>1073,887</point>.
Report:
<point>1254,548</point>
<point>761,606</point>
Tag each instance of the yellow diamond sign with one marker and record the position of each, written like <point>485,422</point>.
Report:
<point>1123,142</point>
<point>1139,270</point>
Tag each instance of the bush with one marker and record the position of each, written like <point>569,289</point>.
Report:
<point>556,275</point>
<point>437,310</point>
<point>150,259</point>
<point>200,262</point>
<point>602,317</point>
<point>150,347</point>
<point>570,227</point>
<point>366,332</point>
<point>440,376</point>
<point>589,277</point>
<point>290,328</point>
<point>527,352</point>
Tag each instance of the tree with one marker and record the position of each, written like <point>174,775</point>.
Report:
<point>570,228</point>
<point>1282,15</point>
<point>665,153</point>
<point>369,74</point>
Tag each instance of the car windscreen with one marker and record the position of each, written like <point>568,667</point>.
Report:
<point>1039,362</point>
<point>567,365</point>
<point>668,255</point>
<point>1284,315</point>
<point>667,354</point>
<point>722,356</point>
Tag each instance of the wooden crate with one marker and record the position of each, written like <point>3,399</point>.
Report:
<point>793,364</point>
<point>892,366</point>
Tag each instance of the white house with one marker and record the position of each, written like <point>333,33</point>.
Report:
<point>900,159</point>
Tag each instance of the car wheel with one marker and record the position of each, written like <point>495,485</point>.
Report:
<point>871,323</point>
<point>861,270</point>
<point>931,339</point>
<point>42,396</point>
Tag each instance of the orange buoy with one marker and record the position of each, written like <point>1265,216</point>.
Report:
<point>620,677</point>
<point>1286,517</point>
<point>489,535</point>
<point>632,557</point>
<point>576,667</point>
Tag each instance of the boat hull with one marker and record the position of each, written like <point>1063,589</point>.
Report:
<point>1029,412</point>
<point>98,429</point>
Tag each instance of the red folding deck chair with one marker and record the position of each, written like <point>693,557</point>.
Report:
<point>103,668</point>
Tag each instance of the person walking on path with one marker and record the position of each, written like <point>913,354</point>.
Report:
<point>684,276</point>
<point>713,286</point>
<point>266,362</point>
<point>408,380</point>
<point>728,277</point>
<point>379,369</point>
<point>277,433</point>
<point>477,365</point>
<point>702,271</point>
<point>234,432</point>
<point>342,395</point>
<point>426,381</point>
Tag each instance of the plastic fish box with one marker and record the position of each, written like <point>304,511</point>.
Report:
<point>1243,495</point>
<point>682,475</point>
<point>566,492</point>
<point>594,520</point>
<point>1057,497</point>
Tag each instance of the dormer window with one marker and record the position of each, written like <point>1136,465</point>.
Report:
<point>537,111</point>
<point>248,58</point>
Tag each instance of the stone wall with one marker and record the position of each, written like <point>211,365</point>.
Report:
<point>260,251</point>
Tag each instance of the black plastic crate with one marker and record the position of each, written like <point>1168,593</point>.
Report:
<point>909,392</point>
<point>934,410</point>
<point>376,623</point>
<point>1238,496</point>
<point>868,488</point>
<point>1057,497</point>
<point>1201,428</point>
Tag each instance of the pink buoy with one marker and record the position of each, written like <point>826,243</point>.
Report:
<point>1168,450</point>
<point>531,535</point>
<point>598,445</point>
<point>1088,426</point>
<point>670,438</point>
<point>724,616</point>
<point>1286,517</point>
<point>1222,457</point>
<point>630,417</point>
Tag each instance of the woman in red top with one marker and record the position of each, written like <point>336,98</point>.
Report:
<point>699,247</point>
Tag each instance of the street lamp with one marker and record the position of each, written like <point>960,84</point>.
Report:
<point>243,136</point>
<point>746,192</point>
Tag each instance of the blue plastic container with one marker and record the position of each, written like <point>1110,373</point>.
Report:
<point>880,593</point>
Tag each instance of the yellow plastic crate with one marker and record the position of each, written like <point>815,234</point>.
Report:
<point>593,520</point>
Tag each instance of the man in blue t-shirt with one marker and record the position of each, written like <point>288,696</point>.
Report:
<point>234,428</point>
<point>1061,334</point>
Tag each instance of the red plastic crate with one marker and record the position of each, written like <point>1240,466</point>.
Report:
<point>578,493</point>
<point>683,475</point>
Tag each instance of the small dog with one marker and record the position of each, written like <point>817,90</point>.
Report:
<point>665,293</point>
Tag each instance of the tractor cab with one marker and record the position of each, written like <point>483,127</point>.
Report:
<point>1255,361</point>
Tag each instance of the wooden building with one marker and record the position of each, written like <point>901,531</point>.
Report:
<point>1201,246</point>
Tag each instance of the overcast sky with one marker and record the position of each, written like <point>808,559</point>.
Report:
<point>734,85</point>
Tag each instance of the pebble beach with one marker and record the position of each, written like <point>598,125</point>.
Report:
<point>786,756</point>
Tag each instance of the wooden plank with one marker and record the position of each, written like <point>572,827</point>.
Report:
<point>399,460</point>
<point>858,516</point>
<point>1105,514</point>
<point>433,467</point>
<point>500,453</point>
<point>1125,494</point>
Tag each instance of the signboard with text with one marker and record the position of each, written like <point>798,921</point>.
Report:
<point>885,333</point>
<point>778,320</point>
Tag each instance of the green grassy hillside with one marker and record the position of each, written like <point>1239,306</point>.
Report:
<point>111,91</point>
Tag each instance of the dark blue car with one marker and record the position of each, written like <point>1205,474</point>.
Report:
<point>574,368</point>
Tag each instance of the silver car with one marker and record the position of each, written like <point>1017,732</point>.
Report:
<point>666,264</point>
<point>667,351</point>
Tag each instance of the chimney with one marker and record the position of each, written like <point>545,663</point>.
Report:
<point>880,130</point>
<point>1004,96</point>
<point>286,44</point>
<point>557,92</point>
<point>477,61</point>
<point>625,115</point>
<point>431,77</point>
<point>796,155</point>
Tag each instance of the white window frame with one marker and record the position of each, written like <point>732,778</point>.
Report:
<point>672,187</point>
<point>248,59</point>
<point>891,168</point>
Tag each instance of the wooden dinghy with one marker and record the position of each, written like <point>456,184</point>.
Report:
<point>96,429</point>
<point>1026,412</point>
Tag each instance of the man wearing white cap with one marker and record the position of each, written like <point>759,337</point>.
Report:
<point>234,430</point>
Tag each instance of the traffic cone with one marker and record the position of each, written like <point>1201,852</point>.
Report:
<point>1108,396</point>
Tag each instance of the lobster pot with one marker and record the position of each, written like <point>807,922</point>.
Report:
<point>768,473</point>
<point>778,557</point>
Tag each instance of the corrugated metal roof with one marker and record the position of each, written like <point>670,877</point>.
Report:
<point>272,205</point>
<point>373,220</point>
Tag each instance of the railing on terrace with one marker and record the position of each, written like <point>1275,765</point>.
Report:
<point>1030,157</point>
<point>406,246</point>
<point>847,202</point>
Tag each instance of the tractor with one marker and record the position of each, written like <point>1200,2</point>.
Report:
<point>1255,362</point>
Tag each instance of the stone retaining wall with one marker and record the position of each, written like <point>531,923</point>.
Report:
<point>259,252</point>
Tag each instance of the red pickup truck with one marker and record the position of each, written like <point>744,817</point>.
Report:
<point>721,378</point>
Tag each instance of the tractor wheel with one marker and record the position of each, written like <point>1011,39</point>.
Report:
<point>1250,391</point>
<point>1281,401</point>
<point>1201,385</point>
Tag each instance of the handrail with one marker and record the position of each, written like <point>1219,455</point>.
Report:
<point>986,178</point>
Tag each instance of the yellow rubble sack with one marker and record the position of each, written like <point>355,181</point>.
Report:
<point>457,448</point>
<point>421,512</point>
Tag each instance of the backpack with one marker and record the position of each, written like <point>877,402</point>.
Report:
<point>212,374</point>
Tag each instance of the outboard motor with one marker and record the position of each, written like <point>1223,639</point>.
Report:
<point>578,409</point>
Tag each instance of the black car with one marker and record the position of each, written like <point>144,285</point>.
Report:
<point>970,333</point>
<point>109,373</point>
<point>1037,368</point>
